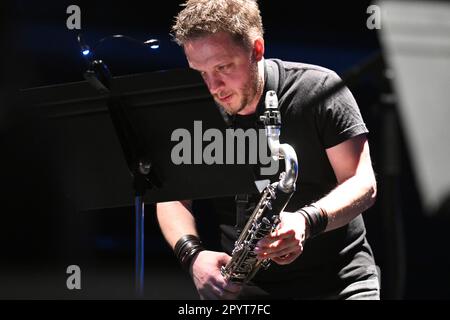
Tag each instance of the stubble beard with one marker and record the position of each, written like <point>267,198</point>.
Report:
<point>249,91</point>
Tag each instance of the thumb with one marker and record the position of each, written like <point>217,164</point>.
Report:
<point>223,258</point>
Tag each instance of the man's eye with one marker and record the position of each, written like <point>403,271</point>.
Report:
<point>224,67</point>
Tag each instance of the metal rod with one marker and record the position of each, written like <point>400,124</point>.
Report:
<point>139,271</point>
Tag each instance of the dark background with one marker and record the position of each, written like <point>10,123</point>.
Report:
<point>42,232</point>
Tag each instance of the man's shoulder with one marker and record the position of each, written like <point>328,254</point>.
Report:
<point>300,66</point>
<point>305,71</point>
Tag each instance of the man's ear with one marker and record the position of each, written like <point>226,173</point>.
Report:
<point>258,48</point>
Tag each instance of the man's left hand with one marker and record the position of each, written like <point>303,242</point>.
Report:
<point>285,244</point>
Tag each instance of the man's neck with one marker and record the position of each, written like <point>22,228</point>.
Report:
<point>251,107</point>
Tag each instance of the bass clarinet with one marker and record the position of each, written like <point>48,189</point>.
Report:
<point>244,263</point>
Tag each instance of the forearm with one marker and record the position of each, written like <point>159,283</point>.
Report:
<point>348,200</point>
<point>175,220</point>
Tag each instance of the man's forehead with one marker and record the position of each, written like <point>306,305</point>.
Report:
<point>201,58</point>
<point>210,50</point>
<point>213,60</point>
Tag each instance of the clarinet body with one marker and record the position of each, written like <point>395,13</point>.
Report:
<point>244,263</point>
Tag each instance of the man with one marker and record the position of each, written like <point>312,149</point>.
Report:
<point>322,254</point>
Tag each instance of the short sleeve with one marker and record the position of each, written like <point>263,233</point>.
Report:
<point>338,118</point>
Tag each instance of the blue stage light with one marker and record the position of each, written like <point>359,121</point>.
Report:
<point>153,43</point>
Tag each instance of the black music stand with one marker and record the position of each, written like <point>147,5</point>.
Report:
<point>95,153</point>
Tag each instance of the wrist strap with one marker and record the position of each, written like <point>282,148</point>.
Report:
<point>316,219</point>
<point>186,249</point>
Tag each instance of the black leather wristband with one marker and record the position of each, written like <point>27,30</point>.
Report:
<point>186,249</point>
<point>316,219</point>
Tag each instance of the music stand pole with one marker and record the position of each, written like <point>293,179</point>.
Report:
<point>139,247</point>
<point>100,78</point>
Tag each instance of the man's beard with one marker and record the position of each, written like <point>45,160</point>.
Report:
<point>249,91</point>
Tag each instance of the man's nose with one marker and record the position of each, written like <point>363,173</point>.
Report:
<point>215,84</point>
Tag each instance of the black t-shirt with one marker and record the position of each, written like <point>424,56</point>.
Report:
<point>332,259</point>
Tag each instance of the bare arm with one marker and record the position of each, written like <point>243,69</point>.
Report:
<point>176,220</point>
<point>356,190</point>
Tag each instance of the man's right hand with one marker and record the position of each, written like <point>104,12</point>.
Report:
<point>208,280</point>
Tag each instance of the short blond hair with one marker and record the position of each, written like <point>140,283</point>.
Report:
<point>199,18</point>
